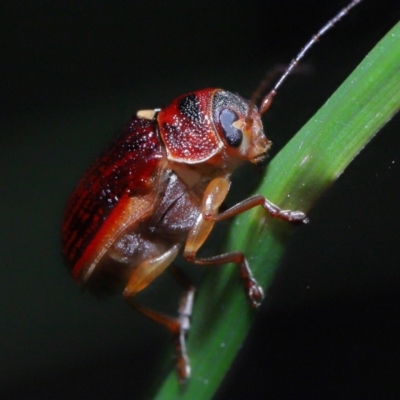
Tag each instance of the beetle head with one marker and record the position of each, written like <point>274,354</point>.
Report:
<point>212,126</point>
<point>240,128</point>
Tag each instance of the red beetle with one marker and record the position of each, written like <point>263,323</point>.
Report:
<point>156,191</point>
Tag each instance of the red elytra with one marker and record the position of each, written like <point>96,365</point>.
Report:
<point>156,192</point>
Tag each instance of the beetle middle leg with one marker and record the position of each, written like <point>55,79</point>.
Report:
<point>213,197</point>
<point>253,290</point>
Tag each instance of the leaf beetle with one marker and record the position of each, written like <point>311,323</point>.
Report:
<point>156,192</point>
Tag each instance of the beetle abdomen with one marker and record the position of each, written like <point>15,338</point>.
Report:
<point>168,225</point>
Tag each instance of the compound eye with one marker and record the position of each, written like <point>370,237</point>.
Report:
<point>233,135</point>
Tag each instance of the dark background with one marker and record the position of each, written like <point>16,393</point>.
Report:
<point>72,73</point>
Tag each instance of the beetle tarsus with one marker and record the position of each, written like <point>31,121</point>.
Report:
<point>183,369</point>
<point>292,216</point>
<point>185,312</point>
<point>255,293</point>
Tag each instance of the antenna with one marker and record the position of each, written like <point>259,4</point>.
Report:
<point>267,100</point>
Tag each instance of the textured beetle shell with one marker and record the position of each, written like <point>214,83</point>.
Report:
<point>128,169</point>
<point>187,129</point>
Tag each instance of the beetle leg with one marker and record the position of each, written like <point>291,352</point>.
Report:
<point>185,312</point>
<point>253,290</point>
<point>145,273</point>
<point>148,270</point>
<point>272,209</point>
<point>179,327</point>
<point>214,195</point>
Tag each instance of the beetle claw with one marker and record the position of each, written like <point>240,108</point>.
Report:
<point>183,368</point>
<point>255,293</point>
<point>298,216</point>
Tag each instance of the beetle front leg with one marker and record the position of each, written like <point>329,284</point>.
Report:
<point>271,208</point>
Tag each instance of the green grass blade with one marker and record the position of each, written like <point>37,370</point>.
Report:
<point>295,178</point>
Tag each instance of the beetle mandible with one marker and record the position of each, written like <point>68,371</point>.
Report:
<point>157,190</point>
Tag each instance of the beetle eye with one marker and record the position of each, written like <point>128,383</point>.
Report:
<point>233,135</point>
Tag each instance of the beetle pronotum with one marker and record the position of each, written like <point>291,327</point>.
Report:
<point>156,191</point>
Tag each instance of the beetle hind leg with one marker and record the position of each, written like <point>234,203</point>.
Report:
<point>148,270</point>
<point>179,327</point>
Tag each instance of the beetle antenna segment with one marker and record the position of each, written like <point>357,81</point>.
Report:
<point>267,100</point>
<point>269,76</point>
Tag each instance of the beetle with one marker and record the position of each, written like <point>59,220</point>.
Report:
<point>157,189</point>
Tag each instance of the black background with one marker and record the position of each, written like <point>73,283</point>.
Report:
<point>72,73</point>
